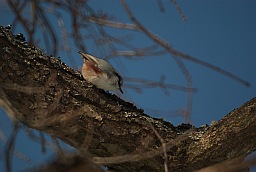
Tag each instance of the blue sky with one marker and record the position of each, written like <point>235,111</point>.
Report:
<point>222,33</point>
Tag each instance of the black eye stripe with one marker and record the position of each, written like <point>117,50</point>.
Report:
<point>120,83</point>
<point>120,79</point>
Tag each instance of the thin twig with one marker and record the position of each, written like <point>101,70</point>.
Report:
<point>144,83</point>
<point>10,146</point>
<point>180,54</point>
<point>113,24</point>
<point>168,48</point>
<point>139,156</point>
<point>184,18</point>
<point>163,145</point>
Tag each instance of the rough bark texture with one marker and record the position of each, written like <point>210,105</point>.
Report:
<point>45,94</point>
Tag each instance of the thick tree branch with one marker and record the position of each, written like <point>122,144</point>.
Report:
<point>47,95</point>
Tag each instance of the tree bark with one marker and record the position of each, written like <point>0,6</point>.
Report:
<point>45,94</point>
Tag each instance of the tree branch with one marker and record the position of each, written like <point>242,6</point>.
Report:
<point>45,94</point>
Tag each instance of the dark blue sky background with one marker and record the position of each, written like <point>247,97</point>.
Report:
<point>222,33</point>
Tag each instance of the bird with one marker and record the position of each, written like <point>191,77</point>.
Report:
<point>101,73</point>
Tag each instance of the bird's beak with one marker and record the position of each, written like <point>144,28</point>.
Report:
<point>121,90</point>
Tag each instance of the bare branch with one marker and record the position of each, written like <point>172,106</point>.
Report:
<point>113,24</point>
<point>184,18</point>
<point>168,48</point>
<point>10,147</point>
<point>140,83</point>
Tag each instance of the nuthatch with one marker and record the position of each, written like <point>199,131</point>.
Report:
<point>100,73</point>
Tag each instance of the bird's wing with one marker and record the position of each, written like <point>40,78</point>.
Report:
<point>89,57</point>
